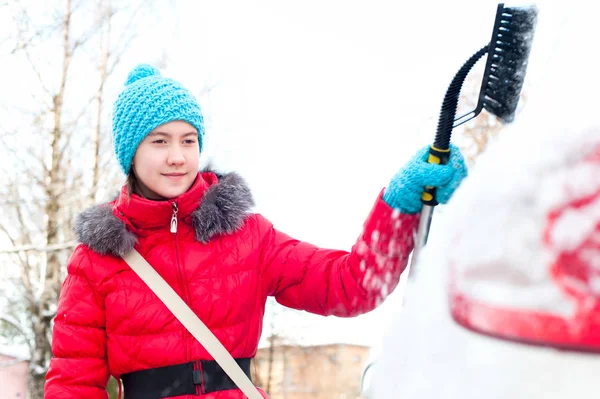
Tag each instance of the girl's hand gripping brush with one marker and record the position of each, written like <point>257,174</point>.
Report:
<point>508,53</point>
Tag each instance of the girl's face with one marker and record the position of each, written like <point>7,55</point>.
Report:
<point>166,162</point>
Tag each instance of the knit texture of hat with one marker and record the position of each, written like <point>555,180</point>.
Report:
<point>148,101</point>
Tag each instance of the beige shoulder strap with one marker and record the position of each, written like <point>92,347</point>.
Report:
<point>191,322</point>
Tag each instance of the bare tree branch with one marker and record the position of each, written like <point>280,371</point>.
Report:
<point>13,322</point>
<point>23,257</point>
<point>41,34</point>
<point>39,76</point>
<point>21,219</point>
<point>105,48</point>
<point>24,46</point>
<point>16,325</point>
<point>40,248</point>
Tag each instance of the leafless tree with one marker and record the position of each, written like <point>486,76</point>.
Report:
<point>55,162</point>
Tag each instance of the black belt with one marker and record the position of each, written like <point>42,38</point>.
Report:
<point>194,378</point>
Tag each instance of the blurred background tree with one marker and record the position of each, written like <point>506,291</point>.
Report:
<point>55,130</point>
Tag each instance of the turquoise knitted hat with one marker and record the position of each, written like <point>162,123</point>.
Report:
<point>148,101</point>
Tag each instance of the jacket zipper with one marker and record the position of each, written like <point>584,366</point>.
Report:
<point>174,218</point>
<point>182,282</point>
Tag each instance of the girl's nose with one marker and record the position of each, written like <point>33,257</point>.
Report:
<point>176,156</point>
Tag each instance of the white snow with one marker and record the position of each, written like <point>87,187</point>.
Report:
<point>574,226</point>
<point>491,234</point>
<point>425,355</point>
<point>18,352</point>
<point>500,214</point>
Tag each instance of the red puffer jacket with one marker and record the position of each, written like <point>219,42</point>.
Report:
<point>223,261</point>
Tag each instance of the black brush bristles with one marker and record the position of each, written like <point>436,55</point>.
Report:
<point>503,76</point>
<point>508,56</point>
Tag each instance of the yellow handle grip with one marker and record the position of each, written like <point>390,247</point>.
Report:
<point>437,156</point>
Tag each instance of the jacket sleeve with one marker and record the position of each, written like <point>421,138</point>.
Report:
<point>79,367</point>
<point>334,282</point>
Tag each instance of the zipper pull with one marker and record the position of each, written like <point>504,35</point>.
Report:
<point>174,219</point>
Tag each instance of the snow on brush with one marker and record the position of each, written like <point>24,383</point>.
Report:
<point>491,237</point>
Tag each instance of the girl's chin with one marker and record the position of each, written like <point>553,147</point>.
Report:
<point>172,190</point>
<point>170,193</point>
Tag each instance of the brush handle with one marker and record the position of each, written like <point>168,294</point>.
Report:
<point>421,236</point>
<point>439,152</point>
<point>447,120</point>
<point>438,156</point>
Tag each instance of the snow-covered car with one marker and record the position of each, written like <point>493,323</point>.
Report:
<point>505,299</point>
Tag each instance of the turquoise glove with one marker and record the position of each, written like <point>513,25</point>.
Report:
<point>405,189</point>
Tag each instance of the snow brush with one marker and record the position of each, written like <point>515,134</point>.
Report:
<point>503,77</point>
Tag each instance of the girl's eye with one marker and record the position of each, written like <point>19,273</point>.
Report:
<point>189,141</point>
<point>159,141</point>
